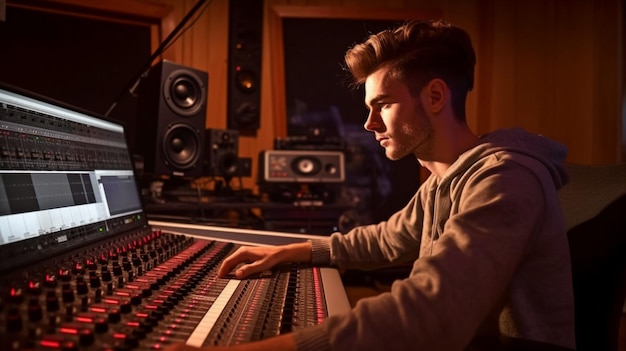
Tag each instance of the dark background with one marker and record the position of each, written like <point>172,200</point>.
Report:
<point>82,62</point>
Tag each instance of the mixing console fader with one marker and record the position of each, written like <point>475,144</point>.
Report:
<point>145,290</point>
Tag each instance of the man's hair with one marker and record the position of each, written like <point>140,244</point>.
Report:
<point>417,52</point>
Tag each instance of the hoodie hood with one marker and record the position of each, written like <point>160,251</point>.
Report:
<point>549,152</point>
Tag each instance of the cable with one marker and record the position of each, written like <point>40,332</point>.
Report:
<point>169,40</point>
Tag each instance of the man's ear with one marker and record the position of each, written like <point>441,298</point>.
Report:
<point>436,95</point>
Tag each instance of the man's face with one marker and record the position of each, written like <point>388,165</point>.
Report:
<point>397,119</point>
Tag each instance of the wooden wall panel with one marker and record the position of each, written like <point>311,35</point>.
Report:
<point>554,71</point>
<point>551,66</point>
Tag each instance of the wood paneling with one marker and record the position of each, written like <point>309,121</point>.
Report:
<point>553,67</point>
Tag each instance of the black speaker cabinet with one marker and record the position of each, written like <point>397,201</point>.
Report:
<point>301,166</point>
<point>222,152</point>
<point>172,111</point>
<point>244,64</point>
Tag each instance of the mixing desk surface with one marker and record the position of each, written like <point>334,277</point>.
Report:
<point>144,291</point>
<point>81,268</point>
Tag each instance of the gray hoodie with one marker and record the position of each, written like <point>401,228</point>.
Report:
<point>489,251</point>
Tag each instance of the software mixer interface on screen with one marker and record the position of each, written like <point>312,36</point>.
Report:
<point>81,268</point>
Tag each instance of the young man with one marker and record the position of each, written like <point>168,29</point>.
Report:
<point>484,232</point>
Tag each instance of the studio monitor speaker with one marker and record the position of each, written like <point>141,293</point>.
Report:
<point>244,64</point>
<point>222,152</point>
<point>172,111</point>
<point>301,166</point>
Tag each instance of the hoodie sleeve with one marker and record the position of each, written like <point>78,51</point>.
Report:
<point>455,285</point>
<point>396,240</point>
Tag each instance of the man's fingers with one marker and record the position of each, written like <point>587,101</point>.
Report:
<point>228,264</point>
<point>249,269</point>
<point>242,255</point>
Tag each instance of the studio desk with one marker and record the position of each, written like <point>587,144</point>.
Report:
<point>157,285</point>
<point>309,218</point>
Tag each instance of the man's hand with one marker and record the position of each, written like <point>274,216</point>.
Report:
<point>261,258</point>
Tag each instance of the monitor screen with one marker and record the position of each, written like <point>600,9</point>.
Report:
<point>64,173</point>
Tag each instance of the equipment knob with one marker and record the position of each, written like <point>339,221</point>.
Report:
<point>16,295</point>
<point>94,280</point>
<point>34,287</point>
<point>81,287</point>
<point>67,293</point>
<point>52,301</point>
<point>114,315</point>
<point>106,275</point>
<point>65,275</point>
<point>78,268</point>
<point>86,337</point>
<point>101,325</point>
<point>117,270</point>
<point>51,280</point>
<point>14,320</point>
<point>34,310</point>
<point>90,263</point>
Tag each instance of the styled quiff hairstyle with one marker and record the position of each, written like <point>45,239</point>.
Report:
<point>417,52</point>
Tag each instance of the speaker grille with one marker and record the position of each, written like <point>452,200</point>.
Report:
<point>244,64</point>
<point>181,146</point>
<point>172,112</point>
<point>185,93</point>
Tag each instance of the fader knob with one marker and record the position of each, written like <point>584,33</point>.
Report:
<point>16,295</point>
<point>81,286</point>
<point>14,320</point>
<point>106,275</point>
<point>114,315</point>
<point>34,288</point>
<point>117,270</point>
<point>90,263</point>
<point>65,275</point>
<point>34,310</point>
<point>79,268</point>
<point>86,337</point>
<point>51,280</point>
<point>67,293</point>
<point>94,280</point>
<point>52,302</point>
<point>126,264</point>
<point>101,325</point>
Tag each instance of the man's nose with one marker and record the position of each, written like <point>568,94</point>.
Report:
<point>373,121</point>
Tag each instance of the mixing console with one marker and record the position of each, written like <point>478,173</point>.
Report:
<point>144,290</point>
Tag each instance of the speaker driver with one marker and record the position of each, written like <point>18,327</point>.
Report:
<point>246,113</point>
<point>184,93</point>
<point>228,163</point>
<point>181,146</point>
<point>306,166</point>
<point>246,81</point>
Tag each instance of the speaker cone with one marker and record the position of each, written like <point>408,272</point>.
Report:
<point>306,165</point>
<point>181,146</point>
<point>246,113</point>
<point>246,81</point>
<point>184,93</point>
<point>227,164</point>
